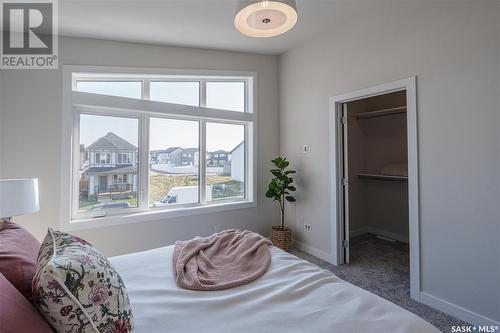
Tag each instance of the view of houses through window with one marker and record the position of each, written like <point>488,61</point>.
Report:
<point>175,157</point>
<point>225,161</point>
<point>174,162</point>
<point>110,161</point>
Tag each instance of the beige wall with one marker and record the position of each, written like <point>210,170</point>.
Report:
<point>453,49</point>
<point>31,124</point>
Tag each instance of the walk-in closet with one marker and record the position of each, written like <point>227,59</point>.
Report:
<point>375,176</point>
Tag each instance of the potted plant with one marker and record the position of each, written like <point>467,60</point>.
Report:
<point>279,190</point>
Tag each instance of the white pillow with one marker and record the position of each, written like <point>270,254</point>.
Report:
<point>77,289</point>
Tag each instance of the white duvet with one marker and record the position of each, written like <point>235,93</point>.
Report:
<point>293,296</point>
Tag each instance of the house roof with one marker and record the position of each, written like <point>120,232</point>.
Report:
<point>242,142</point>
<point>219,152</point>
<point>111,141</point>
<point>168,150</point>
<point>190,150</point>
<point>108,170</point>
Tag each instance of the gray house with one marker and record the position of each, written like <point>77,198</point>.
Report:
<point>217,158</point>
<point>112,166</point>
<point>190,156</point>
<point>166,156</point>
<point>237,163</point>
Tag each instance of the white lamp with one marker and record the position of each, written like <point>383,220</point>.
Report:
<point>266,18</point>
<point>18,197</point>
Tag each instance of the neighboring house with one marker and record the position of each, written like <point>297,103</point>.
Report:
<point>112,165</point>
<point>217,158</point>
<point>190,156</point>
<point>238,163</point>
<point>166,156</point>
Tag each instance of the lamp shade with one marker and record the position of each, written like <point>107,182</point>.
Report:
<point>266,18</point>
<point>18,197</point>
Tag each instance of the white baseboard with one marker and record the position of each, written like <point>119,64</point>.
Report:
<point>379,232</point>
<point>388,234</point>
<point>315,252</point>
<point>358,231</point>
<point>456,311</point>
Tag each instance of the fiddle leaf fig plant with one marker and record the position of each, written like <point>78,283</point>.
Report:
<point>281,186</point>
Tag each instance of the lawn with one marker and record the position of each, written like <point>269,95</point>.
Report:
<point>159,185</point>
<point>87,204</point>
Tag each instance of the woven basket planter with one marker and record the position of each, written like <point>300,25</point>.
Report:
<point>281,238</point>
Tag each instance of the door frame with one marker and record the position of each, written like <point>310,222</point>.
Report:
<point>336,197</point>
<point>344,190</point>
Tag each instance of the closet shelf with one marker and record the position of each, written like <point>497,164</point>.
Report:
<point>382,177</point>
<point>381,113</point>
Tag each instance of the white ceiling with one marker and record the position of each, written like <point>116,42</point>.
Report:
<point>193,23</point>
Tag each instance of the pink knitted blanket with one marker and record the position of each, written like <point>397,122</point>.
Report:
<point>224,260</point>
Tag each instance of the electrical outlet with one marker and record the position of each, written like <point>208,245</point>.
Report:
<point>217,228</point>
<point>307,227</point>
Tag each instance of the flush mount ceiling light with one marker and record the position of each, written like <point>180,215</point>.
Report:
<point>265,18</point>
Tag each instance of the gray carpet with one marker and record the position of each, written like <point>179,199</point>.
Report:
<point>382,268</point>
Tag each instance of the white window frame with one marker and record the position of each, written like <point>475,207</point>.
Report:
<point>121,178</point>
<point>107,159</point>
<point>128,157</point>
<point>75,103</point>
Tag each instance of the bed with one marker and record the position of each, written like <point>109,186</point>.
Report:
<point>292,296</point>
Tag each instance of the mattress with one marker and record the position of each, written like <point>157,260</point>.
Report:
<point>292,296</point>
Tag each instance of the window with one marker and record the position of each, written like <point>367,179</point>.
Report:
<point>186,93</point>
<point>185,151</point>
<point>125,158</point>
<point>120,179</point>
<point>179,176</point>
<point>102,158</point>
<point>226,178</point>
<point>226,95</point>
<point>131,89</point>
<point>102,184</point>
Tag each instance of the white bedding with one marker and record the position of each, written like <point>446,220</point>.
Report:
<point>293,296</point>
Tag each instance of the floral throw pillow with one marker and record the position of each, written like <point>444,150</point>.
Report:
<point>77,289</point>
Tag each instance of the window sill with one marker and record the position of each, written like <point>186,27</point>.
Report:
<point>149,216</point>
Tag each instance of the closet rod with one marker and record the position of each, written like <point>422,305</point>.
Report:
<point>381,113</point>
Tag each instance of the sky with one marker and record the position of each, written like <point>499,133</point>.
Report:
<point>166,133</point>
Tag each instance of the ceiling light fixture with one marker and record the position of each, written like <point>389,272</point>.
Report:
<point>265,18</point>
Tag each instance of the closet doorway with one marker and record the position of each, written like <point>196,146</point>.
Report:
<point>375,174</point>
